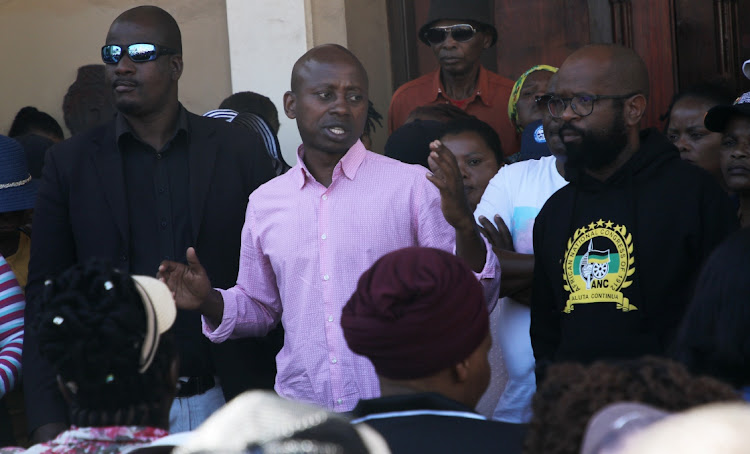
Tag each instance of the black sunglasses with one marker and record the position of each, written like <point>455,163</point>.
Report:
<point>138,53</point>
<point>460,33</point>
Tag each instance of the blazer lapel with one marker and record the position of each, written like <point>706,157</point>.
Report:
<point>108,163</point>
<point>202,154</point>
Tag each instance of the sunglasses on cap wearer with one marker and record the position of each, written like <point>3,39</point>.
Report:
<point>459,32</point>
<point>138,53</point>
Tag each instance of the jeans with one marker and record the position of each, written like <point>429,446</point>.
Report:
<point>187,413</point>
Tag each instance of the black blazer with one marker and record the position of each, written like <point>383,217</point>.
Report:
<point>81,212</point>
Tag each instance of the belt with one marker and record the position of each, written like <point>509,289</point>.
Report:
<point>193,386</point>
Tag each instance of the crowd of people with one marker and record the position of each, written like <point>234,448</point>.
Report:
<point>342,304</point>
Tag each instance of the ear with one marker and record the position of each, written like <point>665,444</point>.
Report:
<point>635,109</point>
<point>290,105</point>
<point>486,40</point>
<point>175,66</point>
<point>461,371</point>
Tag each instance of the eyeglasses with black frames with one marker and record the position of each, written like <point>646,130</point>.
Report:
<point>138,53</point>
<point>582,105</point>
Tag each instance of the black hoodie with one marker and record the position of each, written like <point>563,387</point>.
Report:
<point>615,259</point>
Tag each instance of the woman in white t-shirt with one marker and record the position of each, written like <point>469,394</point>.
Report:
<point>512,200</point>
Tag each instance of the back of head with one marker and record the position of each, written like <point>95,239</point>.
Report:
<point>248,101</point>
<point>403,307</point>
<point>103,333</point>
<point>482,129</point>
<point>88,102</point>
<point>411,142</point>
<point>35,147</point>
<point>714,338</point>
<point>572,393</point>
<point>30,120</point>
<point>443,113</point>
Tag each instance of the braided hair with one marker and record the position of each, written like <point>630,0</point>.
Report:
<point>91,326</point>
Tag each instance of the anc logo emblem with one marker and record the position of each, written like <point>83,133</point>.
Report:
<point>598,264</point>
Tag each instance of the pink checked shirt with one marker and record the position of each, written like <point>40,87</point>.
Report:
<point>304,247</point>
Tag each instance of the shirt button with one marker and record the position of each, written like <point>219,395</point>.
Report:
<point>158,155</point>
<point>330,318</point>
<point>325,197</point>
<point>163,222</point>
<point>340,401</point>
<point>334,361</point>
<point>326,277</point>
<point>323,236</point>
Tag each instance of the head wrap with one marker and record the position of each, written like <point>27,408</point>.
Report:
<point>415,312</point>
<point>516,92</point>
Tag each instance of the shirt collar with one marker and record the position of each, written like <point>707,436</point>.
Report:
<point>483,87</point>
<point>408,402</point>
<point>348,165</point>
<point>122,126</point>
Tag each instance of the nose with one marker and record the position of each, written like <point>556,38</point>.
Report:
<point>124,66</point>
<point>462,169</point>
<point>449,42</point>
<point>340,106</point>
<point>741,151</point>
<point>568,113</point>
<point>681,144</point>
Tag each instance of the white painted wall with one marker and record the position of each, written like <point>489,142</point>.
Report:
<point>266,37</point>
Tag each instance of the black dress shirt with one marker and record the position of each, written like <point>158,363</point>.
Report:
<point>157,184</point>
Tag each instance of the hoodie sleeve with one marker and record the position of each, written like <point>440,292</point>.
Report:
<point>545,318</point>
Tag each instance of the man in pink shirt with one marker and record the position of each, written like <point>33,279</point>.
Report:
<point>309,234</point>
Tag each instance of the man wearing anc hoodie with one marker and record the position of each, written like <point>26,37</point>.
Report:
<point>617,249</point>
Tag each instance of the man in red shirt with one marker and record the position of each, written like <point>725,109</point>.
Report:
<point>458,32</point>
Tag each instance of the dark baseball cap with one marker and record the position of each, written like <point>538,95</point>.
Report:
<point>717,117</point>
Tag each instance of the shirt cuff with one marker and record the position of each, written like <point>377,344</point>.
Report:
<point>218,334</point>
<point>489,277</point>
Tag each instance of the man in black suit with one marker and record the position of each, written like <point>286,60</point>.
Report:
<point>140,189</point>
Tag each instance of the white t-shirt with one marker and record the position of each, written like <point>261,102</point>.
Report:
<point>517,193</point>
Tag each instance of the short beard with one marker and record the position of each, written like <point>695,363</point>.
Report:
<point>595,151</point>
